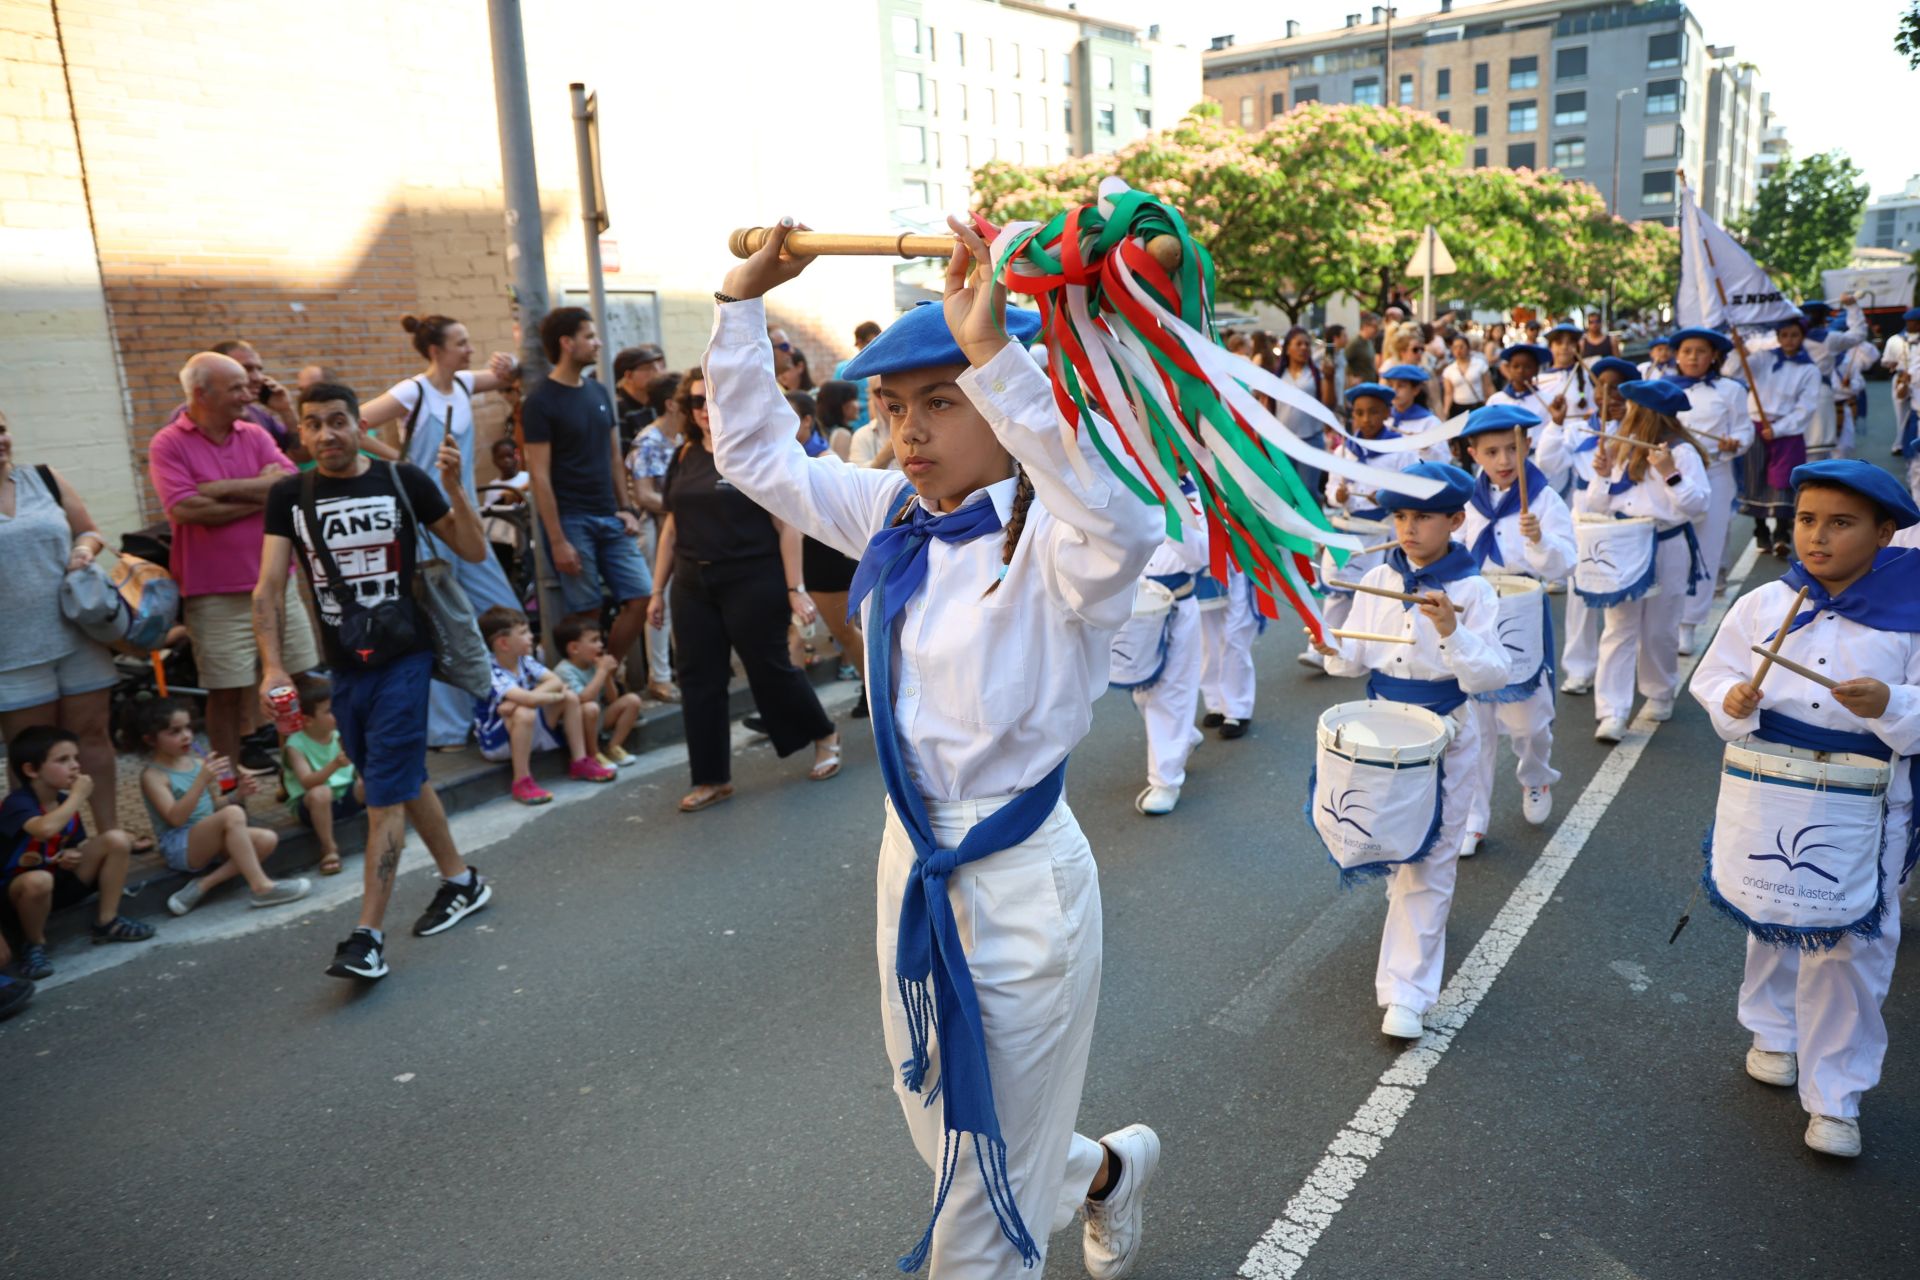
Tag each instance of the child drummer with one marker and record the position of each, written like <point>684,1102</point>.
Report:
<point>1371,405</point>
<point>1530,537</point>
<point>1580,658</point>
<point>1451,651</point>
<point>1815,1013</point>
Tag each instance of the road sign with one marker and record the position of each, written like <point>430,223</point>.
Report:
<point>1431,258</point>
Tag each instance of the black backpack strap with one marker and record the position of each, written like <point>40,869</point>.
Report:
<point>315,542</point>
<point>413,414</point>
<point>45,473</point>
<point>406,503</point>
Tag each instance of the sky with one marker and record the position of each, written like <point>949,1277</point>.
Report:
<point>1836,81</point>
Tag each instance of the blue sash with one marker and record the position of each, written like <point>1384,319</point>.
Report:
<point>1696,563</point>
<point>1909,434</point>
<point>1181,584</point>
<point>1442,697</point>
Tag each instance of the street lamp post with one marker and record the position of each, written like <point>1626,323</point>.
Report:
<point>1619,97</point>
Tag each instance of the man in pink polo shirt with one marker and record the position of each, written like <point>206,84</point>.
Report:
<point>212,469</point>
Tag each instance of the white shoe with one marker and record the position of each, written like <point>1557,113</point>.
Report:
<point>1574,684</point>
<point>1611,729</point>
<point>1157,801</point>
<point>1558,587</point>
<point>1537,804</point>
<point>1770,1067</point>
<point>1470,844</point>
<point>1659,712</point>
<point>1309,658</point>
<point>1111,1240</point>
<point>1401,1023</point>
<point>1835,1135</point>
<point>188,897</point>
<point>1686,642</point>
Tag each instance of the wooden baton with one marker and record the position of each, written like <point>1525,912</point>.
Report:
<point>1368,635</point>
<point>1775,660</point>
<point>746,241</point>
<point>1771,654</point>
<point>1520,449</point>
<point>1382,592</point>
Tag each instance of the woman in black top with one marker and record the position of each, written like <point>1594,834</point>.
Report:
<point>734,574</point>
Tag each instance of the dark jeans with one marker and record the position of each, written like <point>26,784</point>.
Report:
<point>742,606</point>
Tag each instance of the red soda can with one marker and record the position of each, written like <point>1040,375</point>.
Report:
<point>284,703</point>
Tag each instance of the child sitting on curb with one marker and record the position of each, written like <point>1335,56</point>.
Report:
<point>321,787</point>
<point>526,704</point>
<point>588,671</point>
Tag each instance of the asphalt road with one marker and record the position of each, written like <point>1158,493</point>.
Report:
<point>658,1053</point>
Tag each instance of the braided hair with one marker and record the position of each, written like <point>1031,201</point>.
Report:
<point>1016,519</point>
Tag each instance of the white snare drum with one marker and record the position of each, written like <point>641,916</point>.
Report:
<point>1369,532</point>
<point>1140,645</point>
<point>1616,561</point>
<point>1376,784</point>
<point>1521,618</point>
<point>1794,854</point>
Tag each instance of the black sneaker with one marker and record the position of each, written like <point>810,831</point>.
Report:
<point>860,709</point>
<point>358,957</point>
<point>34,965</point>
<point>754,723</point>
<point>1231,728</point>
<point>14,995</point>
<point>452,904</point>
<point>255,758</point>
<point>1212,720</point>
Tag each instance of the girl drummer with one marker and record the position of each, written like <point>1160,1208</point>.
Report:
<point>1716,413</point>
<point>1370,405</point>
<point>1581,655</point>
<point>1564,374</point>
<point>1533,540</point>
<point>993,578</point>
<point>1815,1013</point>
<point>1452,650</point>
<point>1652,470</point>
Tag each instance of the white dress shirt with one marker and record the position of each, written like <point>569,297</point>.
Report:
<point>1473,654</point>
<point>1549,445</point>
<point>1549,559</point>
<point>992,687</point>
<point>1789,393</point>
<point>1669,504</point>
<point>1359,499</point>
<point>1721,408</point>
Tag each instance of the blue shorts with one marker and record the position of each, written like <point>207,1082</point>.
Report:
<point>610,564</point>
<point>383,726</point>
<point>346,805</point>
<point>172,844</point>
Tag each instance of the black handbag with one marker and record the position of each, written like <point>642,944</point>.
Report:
<point>377,634</point>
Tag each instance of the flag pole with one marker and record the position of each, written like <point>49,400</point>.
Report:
<point>1739,347</point>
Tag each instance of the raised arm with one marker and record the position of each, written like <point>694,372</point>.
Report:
<point>1552,557</point>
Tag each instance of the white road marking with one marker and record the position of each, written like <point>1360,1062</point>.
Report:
<point>481,834</point>
<point>1282,1250</point>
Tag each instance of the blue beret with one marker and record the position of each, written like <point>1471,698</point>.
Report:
<point>920,340</point>
<point>1866,480</point>
<point>1910,314</point>
<point>1661,340</point>
<point>1539,353</point>
<point>1498,417</point>
<point>1804,322</point>
<point>1374,389</point>
<point>1614,364</point>
<point>1719,341</point>
<point>1570,330</point>
<point>1454,497</point>
<point>1814,306</point>
<point>1661,397</point>
<point>1406,373</point>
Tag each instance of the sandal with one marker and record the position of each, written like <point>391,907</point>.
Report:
<point>122,929</point>
<point>329,864</point>
<point>826,768</point>
<point>143,845</point>
<point>694,801</point>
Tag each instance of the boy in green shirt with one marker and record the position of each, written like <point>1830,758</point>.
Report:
<point>321,787</point>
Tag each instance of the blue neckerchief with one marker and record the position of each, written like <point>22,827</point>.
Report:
<point>1620,486</point>
<point>1414,413</point>
<point>1365,454</point>
<point>815,444</point>
<point>1822,333</point>
<point>1486,547</point>
<point>930,963</point>
<point>1458,563</point>
<point>1782,359</point>
<point>1886,597</point>
<point>1682,381</point>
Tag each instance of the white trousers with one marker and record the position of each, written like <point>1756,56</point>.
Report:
<point>1528,724</point>
<point>1029,920</point>
<point>1641,638</point>
<point>1413,944</point>
<point>1711,529</point>
<point>1580,656</point>
<point>1167,707</point>
<point>1825,1005</point>
<point>1226,671</point>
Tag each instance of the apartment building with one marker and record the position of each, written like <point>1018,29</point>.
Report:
<point>1893,222</point>
<point>1533,84</point>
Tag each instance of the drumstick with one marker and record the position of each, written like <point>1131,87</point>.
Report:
<point>1382,592</point>
<point>1779,637</point>
<point>1388,545</point>
<point>746,241</point>
<point>1774,659</point>
<point>1520,448</point>
<point>1368,635</point>
<point>1609,436</point>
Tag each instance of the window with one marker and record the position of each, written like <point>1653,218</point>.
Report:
<point>933,96</point>
<point>1367,92</point>
<point>1013,52</point>
<point>1040,64</point>
<point>906,36</point>
<point>1443,83</point>
<point>1306,93</point>
<point>1479,122</point>
<point>1246,113</point>
<point>932,40</point>
<point>1520,155</point>
<point>966,151</point>
<point>1480,77</point>
<point>1143,77</point>
<point>1446,117</point>
<point>957,47</point>
<point>1103,113</point>
<point>1046,114</point>
<point>939,196</point>
<point>1523,116</point>
<point>1406,91</point>
<point>963,100</point>
<point>1019,153</point>
<point>1569,153</point>
<point>1570,64</point>
<point>993,107</point>
<point>1066,116</point>
<point>1019,111</point>
<point>913,144</point>
<point>906,90</point>
<point>989,43</point>
<point>1277,105</point>
<point>1523,73</point>
<point>1066,68</point>
<point>1668,49</point>
<point>1479,157</point>
<point>1046,153</point>
<point>1657,187</point>
<point>1143,117</point>
<point>1102,71</point>
<point>1663,142</point>
<point>1570,108</point>
<point>1665,97</point>
<point>933,151</point>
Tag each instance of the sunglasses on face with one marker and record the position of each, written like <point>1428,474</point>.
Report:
<point>696,402</point>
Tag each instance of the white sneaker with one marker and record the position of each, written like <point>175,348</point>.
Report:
<point>1574,684</point>
<point>1401,1023</point>
<point>1157,801</point>
<point>1770,1067</point>
<point>1470,844</point>
<point>1111,1240</point>
<point>1537,804</point>
<point>1309,658</point>
<point>1611,729</point>
<point>1686,642</point>
<point>1660,712</point>
<point>1835,1135</point>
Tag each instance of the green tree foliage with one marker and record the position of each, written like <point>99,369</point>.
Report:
<point>1906,39</point>
<point>1804,220</point>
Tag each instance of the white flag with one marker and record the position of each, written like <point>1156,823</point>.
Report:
<point>1707,252</point>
